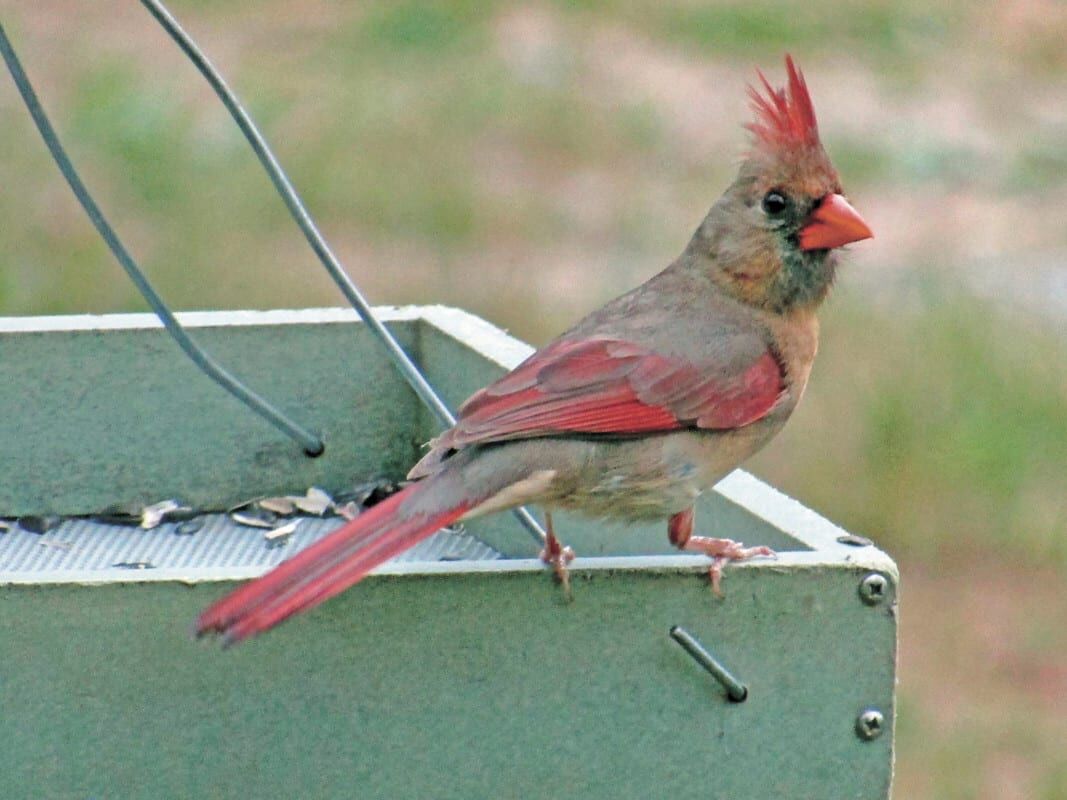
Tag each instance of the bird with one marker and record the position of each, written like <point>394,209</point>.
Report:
<point>639,407</point>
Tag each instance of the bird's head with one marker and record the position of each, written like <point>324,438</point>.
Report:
<point>773,233</point>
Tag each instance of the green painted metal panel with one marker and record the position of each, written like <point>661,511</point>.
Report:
<point>108,410</point>
<point>459,679</point>
<point>458,686</point>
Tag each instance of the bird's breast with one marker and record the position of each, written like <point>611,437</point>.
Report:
<point>796,341</point>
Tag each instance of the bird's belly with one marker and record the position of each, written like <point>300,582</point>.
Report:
<point>655,477</point>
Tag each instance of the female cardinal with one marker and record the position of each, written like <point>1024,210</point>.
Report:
<point>643,404</point>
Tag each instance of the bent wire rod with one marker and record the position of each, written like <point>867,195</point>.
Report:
<point>311,232</point>
<point>735,690</point>
<point>312,444</point>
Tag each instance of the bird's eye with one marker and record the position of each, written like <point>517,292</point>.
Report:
<point>774,203</point>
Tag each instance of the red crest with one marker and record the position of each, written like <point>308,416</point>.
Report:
<point>785,118</point>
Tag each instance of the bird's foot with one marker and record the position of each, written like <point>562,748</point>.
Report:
<point>723,551</point>
<point>558,556</point>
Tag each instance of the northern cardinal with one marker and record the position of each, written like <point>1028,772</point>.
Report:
<point>643,404</point>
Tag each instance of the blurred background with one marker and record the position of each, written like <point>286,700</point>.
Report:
<point>529,161</point>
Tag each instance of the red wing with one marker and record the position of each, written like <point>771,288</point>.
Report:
<point>608,386</point>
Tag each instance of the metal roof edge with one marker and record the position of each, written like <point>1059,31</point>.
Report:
<point>202,319</point>
<point>655,563</point>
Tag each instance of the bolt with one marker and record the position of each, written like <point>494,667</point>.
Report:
<point>873,589</point>
<point>870,724</point>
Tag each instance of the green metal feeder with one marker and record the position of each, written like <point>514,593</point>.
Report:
<point>456,671</point>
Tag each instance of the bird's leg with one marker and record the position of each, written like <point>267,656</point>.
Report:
<point>721,551</point>
<point>558,556</point>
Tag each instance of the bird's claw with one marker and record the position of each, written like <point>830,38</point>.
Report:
<point>723,551</point>
<point>559,556</point>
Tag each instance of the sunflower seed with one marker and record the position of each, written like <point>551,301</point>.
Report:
<point>279,536</point>
<point>369,493</point>
<point>254,518</point>
<point>181,514</point>
<point>243,504</point>
<point>316,502</point>
<point>282,506</point>
<point>189,527</point>
<point>121,515</point>
<point>358,493</point>
<point>39,524</point>
<point>153,515</point>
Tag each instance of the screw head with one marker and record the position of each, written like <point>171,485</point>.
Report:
<point>873,589</point>
<point>870,724</point>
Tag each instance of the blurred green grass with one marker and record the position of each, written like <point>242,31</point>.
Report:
<point>940,430</point>
<point>529,161</point>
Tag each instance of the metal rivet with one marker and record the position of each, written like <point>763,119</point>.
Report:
<point>870,724</point>
<point>873,589</point>
<point>735,690</point>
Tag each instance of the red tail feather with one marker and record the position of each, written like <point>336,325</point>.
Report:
<point>324,569</point>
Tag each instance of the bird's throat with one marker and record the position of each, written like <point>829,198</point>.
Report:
<point>804,280</point>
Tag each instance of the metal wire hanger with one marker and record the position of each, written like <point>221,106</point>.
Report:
<point>312,444</point>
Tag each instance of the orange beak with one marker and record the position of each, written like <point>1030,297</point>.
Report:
<point>833,224</point>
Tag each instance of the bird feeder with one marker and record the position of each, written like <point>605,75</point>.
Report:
<point>459,670</point>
